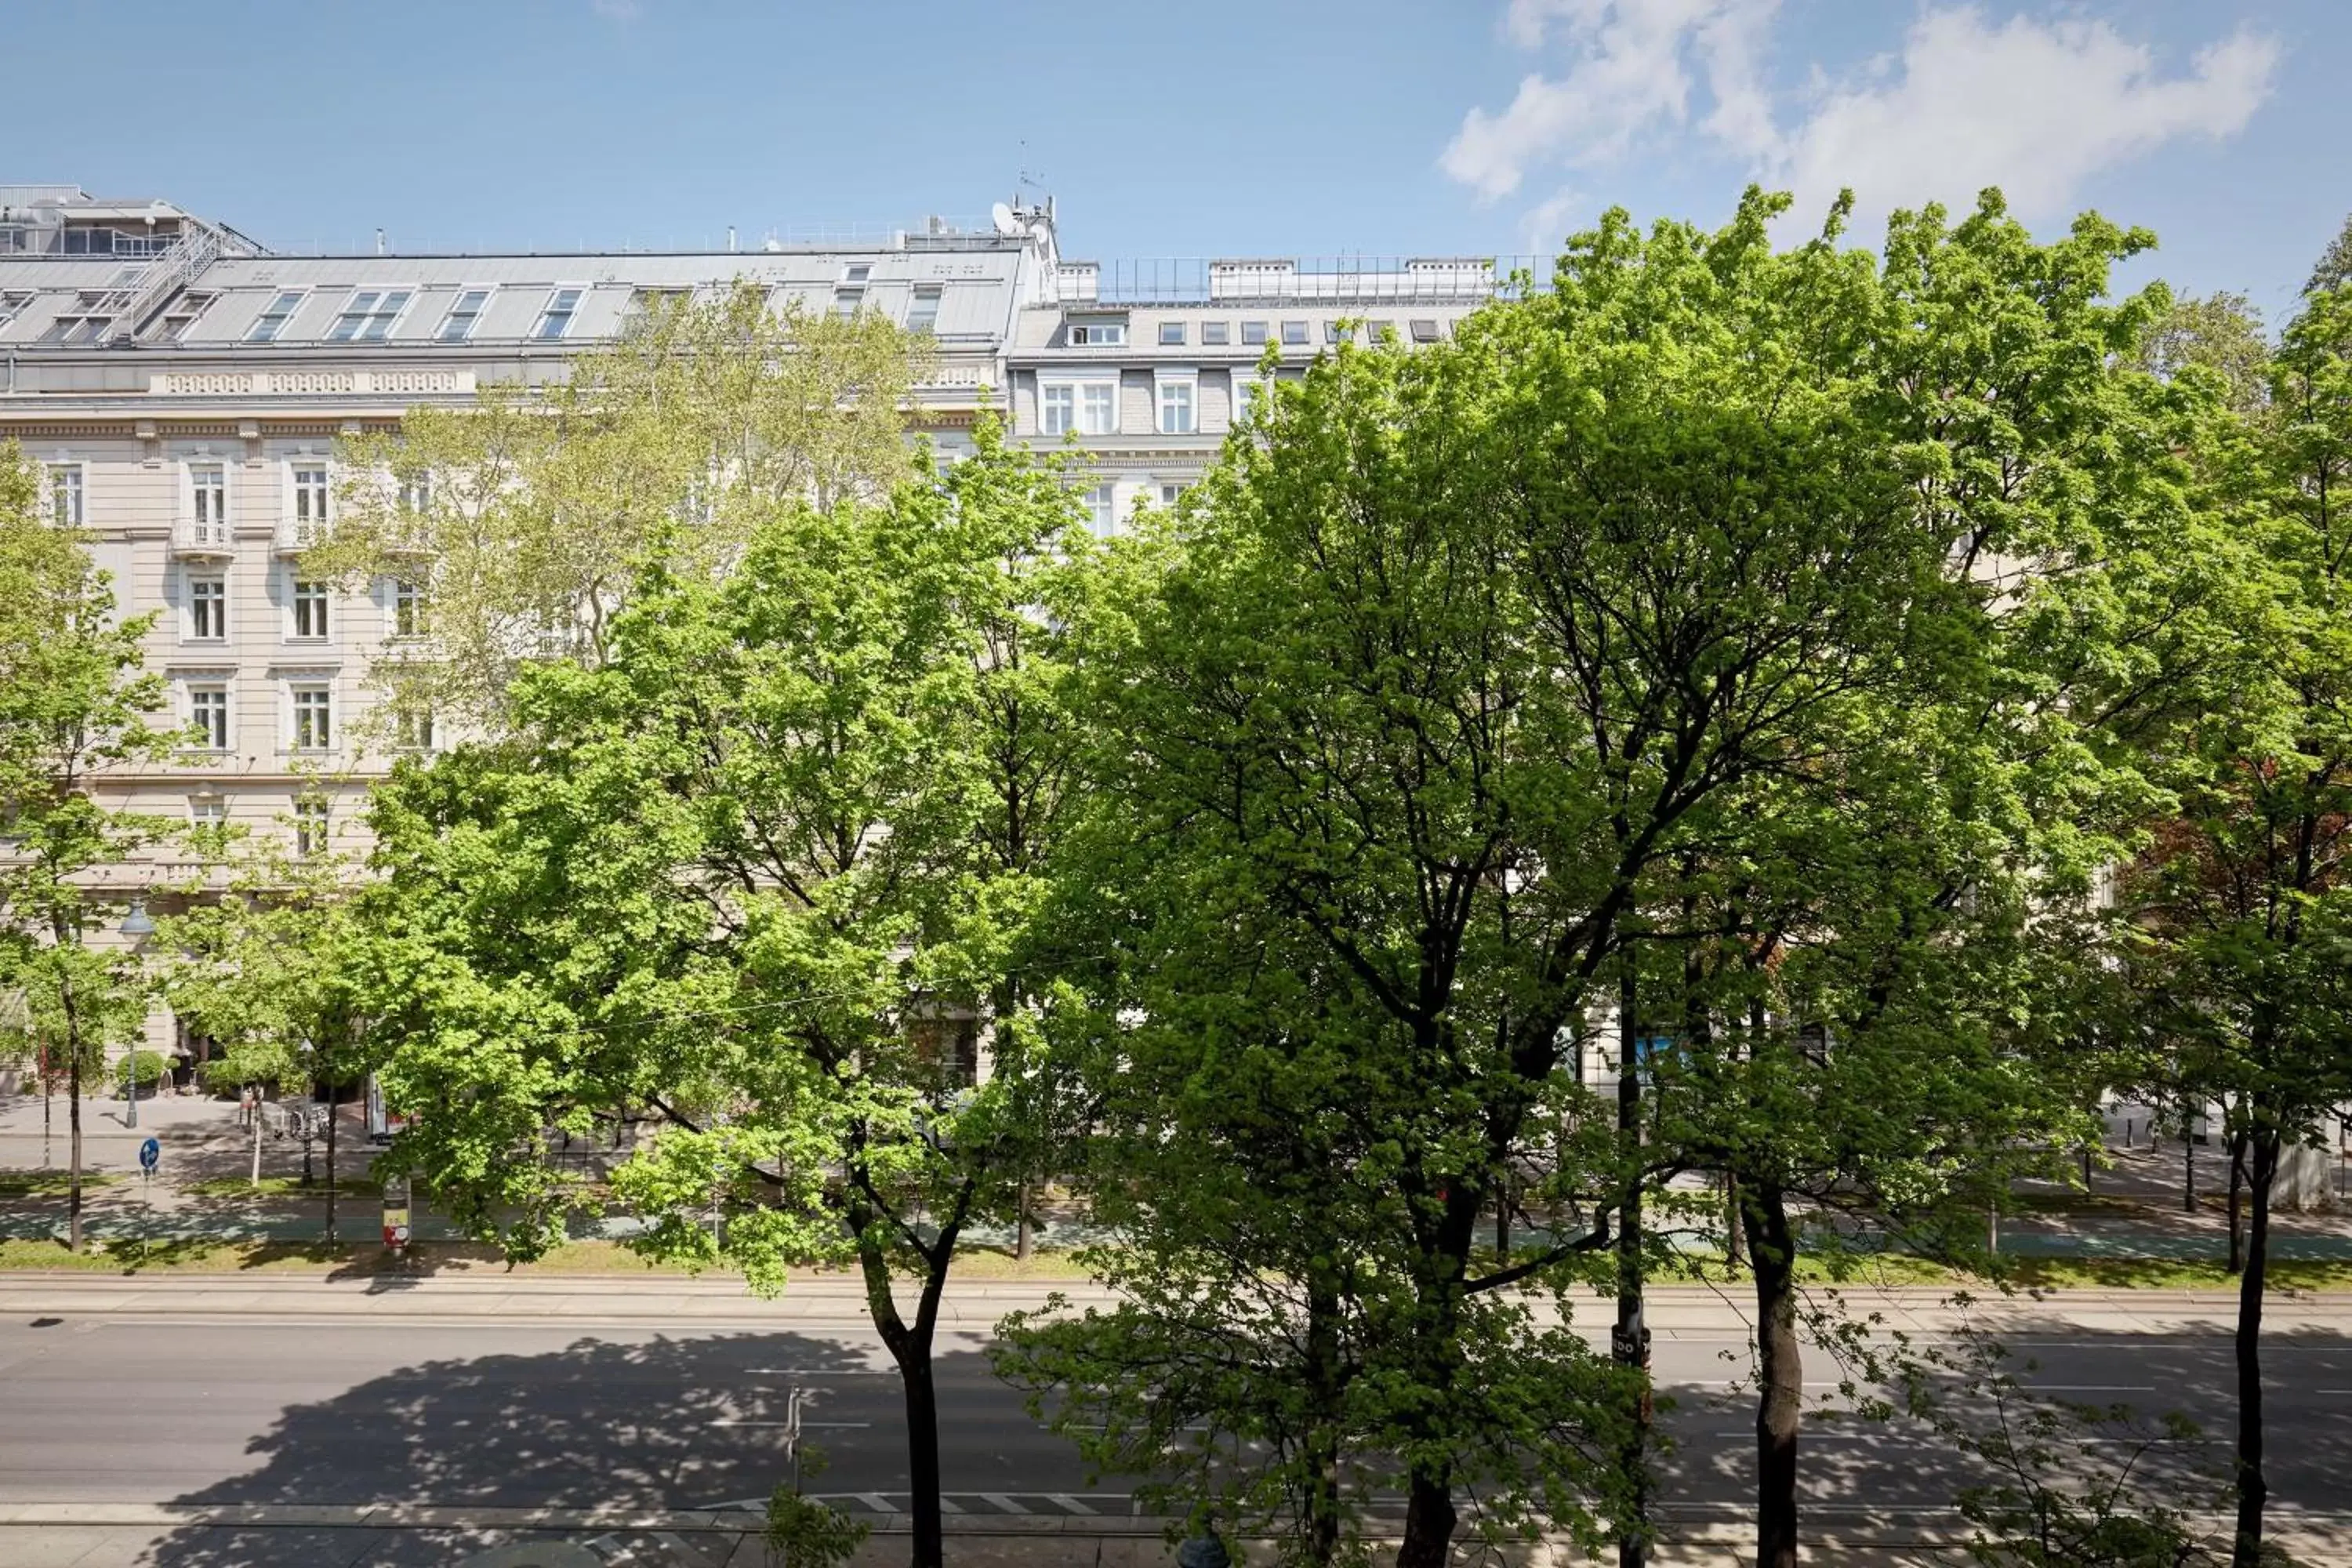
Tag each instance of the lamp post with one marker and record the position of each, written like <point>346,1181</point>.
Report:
<point>138,926</point>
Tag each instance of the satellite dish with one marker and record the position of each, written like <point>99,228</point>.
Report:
<point>1004,220</point>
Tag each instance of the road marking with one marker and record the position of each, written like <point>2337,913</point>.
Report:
<point>1000,1500</point>
<point>874,1501</point>
<point>843,1426</point>
<point>2089,1388</point>
<point>1073,1504</point>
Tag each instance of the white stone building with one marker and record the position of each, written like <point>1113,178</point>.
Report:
<point>184,385</point>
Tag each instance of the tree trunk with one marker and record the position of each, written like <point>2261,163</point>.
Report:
<point>1326,1380</point>
<point>1772,1255</point>
<point>1629,1342</point>
<point>2188,1162</point>
<point>1734,1248</point>
<point>331,1161</point>
<point>1429,1520</point>
<point>1022,1242</point>
<point>73,1096</point>
<point>2253,1491</point>
<point>2237,1202</point>
<point>910,1348</point>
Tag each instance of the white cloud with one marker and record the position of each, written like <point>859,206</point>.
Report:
<point>1546,224</point>
<point>2036,107</point>
<point>1629,74</point>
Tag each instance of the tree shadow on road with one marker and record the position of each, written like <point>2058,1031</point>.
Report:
<point>1903,1466</point>
<point>662,1423</point>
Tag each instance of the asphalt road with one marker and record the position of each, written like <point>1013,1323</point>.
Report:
<point>579,1414</point>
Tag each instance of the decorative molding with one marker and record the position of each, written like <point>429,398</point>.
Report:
<point>326,383</point>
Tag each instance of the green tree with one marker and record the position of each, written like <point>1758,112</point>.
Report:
<point>2223,333</point>
<point>520,525</point>
<point>2244,884</point>
<point>1441,671</point>
<point>271,966</point>
<point>73,704</point>
<point>765,868</point>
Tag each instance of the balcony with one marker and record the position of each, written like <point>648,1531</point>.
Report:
<point>200,539</point>
<point>295,534</point>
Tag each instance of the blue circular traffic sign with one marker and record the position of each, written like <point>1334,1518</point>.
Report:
<point>149,1153</point>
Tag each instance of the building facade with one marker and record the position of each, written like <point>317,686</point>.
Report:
<point>184,387</point>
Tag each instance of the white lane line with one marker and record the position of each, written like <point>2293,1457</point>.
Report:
<point>1073,1504</point>
<point>875,1502</point>
<point>2090,1388</point>
<point>846,1425</point>
<point>1000,1500</point>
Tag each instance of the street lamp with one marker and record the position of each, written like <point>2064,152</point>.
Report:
<point>138,926</point>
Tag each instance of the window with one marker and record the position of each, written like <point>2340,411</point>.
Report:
<point>310,827</point>
<point>1171,334</point>
<point>1099,516</point>
<point>408,619</point>
<point>1169,494</point>
<point>1098,408</point>
<point>272,321</point>
<point>309,499</point>
<point>207,811</point>
<point>1098,335</point>
<point>207,608</point>
<point>80,322</point>
<point>923,315</point>
<point>1176,405</point>
<point>208,501</point>
<point>1215,334</point>
<point>464,311</point>
<point>183,315</point>
<point>846,301</point>
<point>1425,331</point>
<point>856,273</point>
<point>65,495</point>
<point>412,729</point>
<point>1338,332</point>
<point>555,320</point>
<point>1293,333</point>
<point>416,492</point>
<point>1057,409</point>
<point>652,304</point>
<point>368,316</point>
<point>208,715</point>
<point>1376,333</point>
<point>1253,335</point>
<point>13,300</point>
<point>314,717</point>
<point>1248,392</point>
<point>309,610</point>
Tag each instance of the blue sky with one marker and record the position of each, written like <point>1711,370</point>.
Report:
<point>1225,127</point>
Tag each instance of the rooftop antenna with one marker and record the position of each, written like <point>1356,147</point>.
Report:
<point>378,242</point>
<point>1000,215</point>
<point>730,240</point>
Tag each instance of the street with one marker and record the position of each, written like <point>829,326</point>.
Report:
<point>617,1394</point>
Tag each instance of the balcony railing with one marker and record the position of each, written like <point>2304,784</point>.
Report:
<point>200,537</point>
<point>295,534</point>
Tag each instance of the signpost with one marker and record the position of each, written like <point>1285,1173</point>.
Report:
<point>395,1215</point>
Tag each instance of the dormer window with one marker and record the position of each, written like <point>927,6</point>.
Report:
<point>1100,332</point>
<point>368,316</point>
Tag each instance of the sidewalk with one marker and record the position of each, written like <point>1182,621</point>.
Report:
<point>1675,1312</point>
<point>86,1535</point>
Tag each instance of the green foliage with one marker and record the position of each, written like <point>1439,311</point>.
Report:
<point>73,703</point>
<point>144,1067</point>
<point>527,519</point>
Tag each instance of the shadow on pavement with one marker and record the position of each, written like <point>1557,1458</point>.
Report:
<point>663,1424</point>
